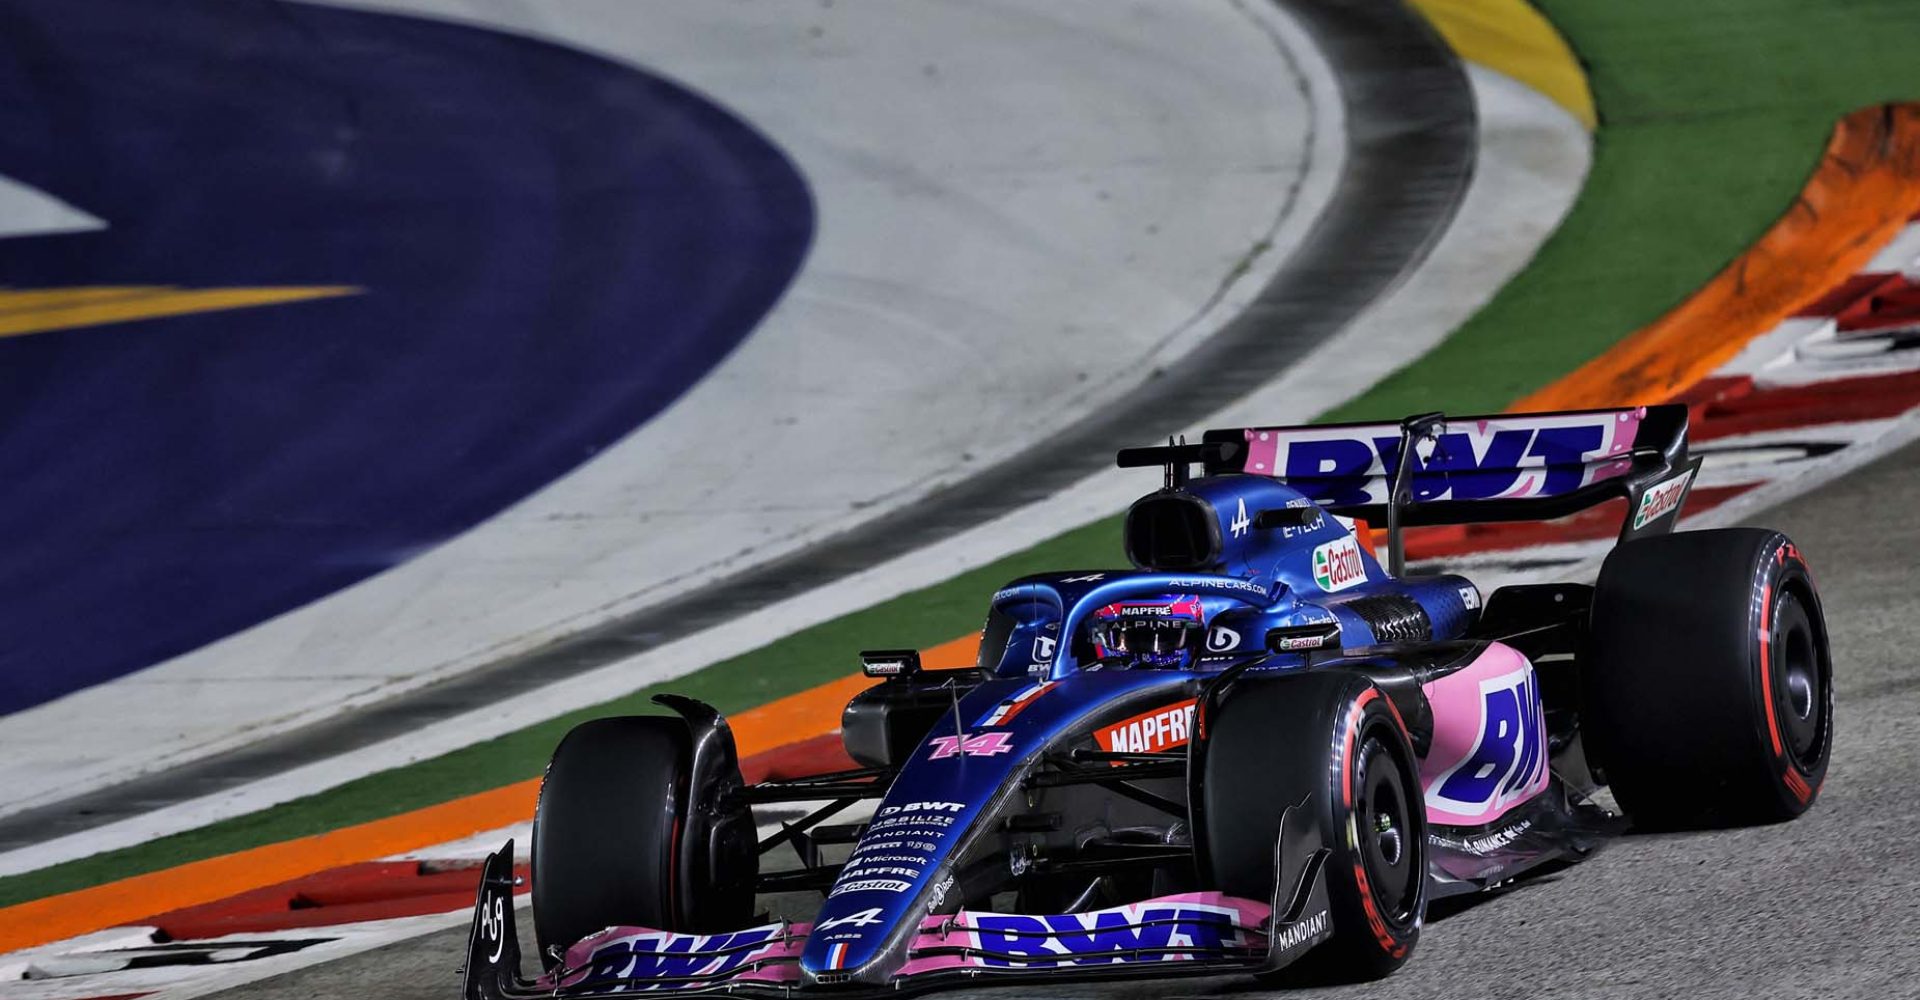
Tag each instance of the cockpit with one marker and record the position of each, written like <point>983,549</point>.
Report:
<point>1160,633</point>
<point>1053,625</point>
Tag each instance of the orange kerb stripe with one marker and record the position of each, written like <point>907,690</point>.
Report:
<point>788,720</point>
<point>1863,192</point>
<point>953,654</point>
<point>128,900</point>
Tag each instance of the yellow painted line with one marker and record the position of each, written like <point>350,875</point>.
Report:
<point>16,301</point>
<point>1510,36</point>
<point>797,717</point>
<point>44,310</point>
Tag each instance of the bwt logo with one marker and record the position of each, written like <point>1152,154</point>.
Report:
<point>1465,464</point>
<point>1105,937</point>
<point>1510,755</point>
<point>679,956</point>
<point>920,807</point>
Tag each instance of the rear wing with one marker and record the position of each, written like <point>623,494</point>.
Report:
<point>1436,469</point>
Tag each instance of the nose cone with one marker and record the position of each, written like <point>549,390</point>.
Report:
<point>900,867</point>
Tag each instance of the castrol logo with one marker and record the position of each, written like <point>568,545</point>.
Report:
<point>1337,565</point>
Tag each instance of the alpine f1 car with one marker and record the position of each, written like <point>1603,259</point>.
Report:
<point>1257,750</point>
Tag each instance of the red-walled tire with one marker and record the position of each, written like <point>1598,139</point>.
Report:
<point>604,834</point>
<point>628,834</point>
<point>1708,695</point>
<point>1331,740</point>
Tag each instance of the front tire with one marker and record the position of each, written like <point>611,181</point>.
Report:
<point>625,835</point>
<point>1708,698</point>
<point>1331,741</point>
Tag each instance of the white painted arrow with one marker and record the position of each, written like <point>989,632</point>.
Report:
<point>28,211</point>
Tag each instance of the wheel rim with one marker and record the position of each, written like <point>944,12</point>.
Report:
<point>1800,697</point>
<point>1389,850</point>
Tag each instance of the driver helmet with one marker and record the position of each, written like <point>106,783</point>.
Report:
<point>1156,633</point>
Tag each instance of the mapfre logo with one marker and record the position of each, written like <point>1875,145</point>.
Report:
<point>1161,729</point>
<point>1337,565</point>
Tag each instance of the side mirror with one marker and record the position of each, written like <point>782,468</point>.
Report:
<point>885,663</point>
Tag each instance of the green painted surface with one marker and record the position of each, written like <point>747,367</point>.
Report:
<point>1712,115</point>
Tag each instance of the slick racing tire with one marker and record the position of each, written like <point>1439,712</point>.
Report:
<point>1708,698</point>
<point>621,837</point>
<point>1330,743</point>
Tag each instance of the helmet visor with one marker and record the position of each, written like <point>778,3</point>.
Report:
<point>1149,636</point>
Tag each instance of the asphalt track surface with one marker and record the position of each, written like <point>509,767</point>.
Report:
<point>1411,141</point>
<point>1820,907</point>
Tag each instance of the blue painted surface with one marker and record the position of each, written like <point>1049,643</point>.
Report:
<point>553,247</point>
<point>923,824</point>
<point>940,805</point>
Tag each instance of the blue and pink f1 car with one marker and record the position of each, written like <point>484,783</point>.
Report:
<point>1256,750</point>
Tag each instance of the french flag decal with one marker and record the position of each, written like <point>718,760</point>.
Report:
<point>1006,710</point>
<point>837,956</point>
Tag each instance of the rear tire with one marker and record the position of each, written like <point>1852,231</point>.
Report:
<point>1708,698</point>
<point>1331,740</point>
<point>620,838</point>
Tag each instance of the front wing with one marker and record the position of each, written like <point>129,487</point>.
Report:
<point>1187,934</point>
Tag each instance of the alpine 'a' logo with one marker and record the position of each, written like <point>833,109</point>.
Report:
<point>1337,564</point>
<point>1240,522</point>
<point>865,918</point>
